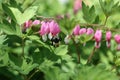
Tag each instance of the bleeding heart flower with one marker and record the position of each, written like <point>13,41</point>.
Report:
<point>117,39</point>
<point>82,31</point>
<point>76,30</point>
<point>77,5</point>
<point>26,25</point>
<point>98,37</point>
<point>54,28</point>
<point>90,31</point>
<point>44,28</point>
<point>36,22</point>
<point>108,38</point>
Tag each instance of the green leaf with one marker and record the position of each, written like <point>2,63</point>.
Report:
<point>22,65</point>
<point>61,50</point>
<point>11,28</point>
<point>17,15</point>
<point>92,73</point>
<point>88,13</point>
<point>54,73</point>
<point>109,7</point>
<point>2,39</point>
<point>7,29</point>
<point>8,11</point>
<point>33,37</point>
<point>4,58</point>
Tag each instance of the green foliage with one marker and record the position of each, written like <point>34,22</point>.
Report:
<point>17,15</point>
<point>25,56</point>
<point>94,73</point>
<point>7,29</point>
<point>62,50</point>
<point>89,14</point>
<point>109,7</point>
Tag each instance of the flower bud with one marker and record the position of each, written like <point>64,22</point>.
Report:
<point>76,30</point>
<point>90,31</point>
<point>82,31</point>
<point>36,22</point>
<point>117,39</point>
<point>27,24</point>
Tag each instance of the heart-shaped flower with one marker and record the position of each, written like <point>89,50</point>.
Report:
<point>98,37</point>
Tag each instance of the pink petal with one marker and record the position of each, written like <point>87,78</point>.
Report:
<point>76,30</point>
<point>98,35</point>
<point>36,22</point>
<point>117,38</point>
<point>54,28</point>
<point>77,5</point>
<point>28,24</point>
<point>108,35</point>
<point>44,28</point>
<point>89,31</point>
<point>82,31</point>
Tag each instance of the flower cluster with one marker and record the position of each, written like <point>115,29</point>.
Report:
<point>29,24</point>
<point>47,29</point>
<point>97,36</point>
<point>79,32</point>
<point>50,28</point>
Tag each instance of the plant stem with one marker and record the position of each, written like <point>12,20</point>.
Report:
<point>32,75</point>
<point>23,45</point>
<point>105,20</point>
<point>77,50</point>
<point>51,49</point>
<point>91,55</point>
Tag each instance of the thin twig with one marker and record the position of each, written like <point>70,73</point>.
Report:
<point>93,25</point>
<point>45,17</point>
<point>91,55</point>
<point>23,46</point>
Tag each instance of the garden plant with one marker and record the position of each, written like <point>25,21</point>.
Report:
<point>59,39</point>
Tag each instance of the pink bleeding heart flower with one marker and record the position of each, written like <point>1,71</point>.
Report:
<point>76,30</point>
<point>108,38</point>
<point>54,28</point>
<point>27,24</point>
<point>77,5</point>
<point>82,31</point>
<point>44,28</point>
<point>36,22</point>
<point>98,37</point>
<point>90,31</point>
<point>117,39</point>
